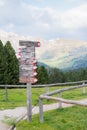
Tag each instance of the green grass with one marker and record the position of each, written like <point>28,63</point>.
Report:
<point>17,97</point>
<point>72,118</point>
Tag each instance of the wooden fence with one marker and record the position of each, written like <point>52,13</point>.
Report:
<point>60,99</point>
<point>40,86</point>
<point>48,95</point>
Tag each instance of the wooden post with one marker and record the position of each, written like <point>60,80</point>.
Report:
<point>60,103</point>
<point>6,93</point>
<point>41,110</point>
<point>29,102</point>
<point>47,89</point>
<point>83,88</point>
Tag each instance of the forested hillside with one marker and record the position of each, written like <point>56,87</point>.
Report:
<point>9,69</point>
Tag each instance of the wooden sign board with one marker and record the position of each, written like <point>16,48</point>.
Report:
<point>28,43</point>
<point>27,55</point>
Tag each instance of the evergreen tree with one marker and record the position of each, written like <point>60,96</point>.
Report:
<point>55,76</point>
<point>83,74</point>
<point>11,71</point>
<point>42,76</point>
<point>2,63</point>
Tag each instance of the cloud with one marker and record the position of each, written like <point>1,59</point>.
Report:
<point>75,18</point>
<point>1,3</point>
<point>39,0</point>
<point>10,26</point>
<point>27,19</point>
<point>81,1</point>
<point>47,20</point>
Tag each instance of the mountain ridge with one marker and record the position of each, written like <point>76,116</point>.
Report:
<point>59,53</point>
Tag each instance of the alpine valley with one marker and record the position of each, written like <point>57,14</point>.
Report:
<point>66,54</point>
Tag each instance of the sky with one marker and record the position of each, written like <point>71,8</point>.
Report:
<point>46,19</point>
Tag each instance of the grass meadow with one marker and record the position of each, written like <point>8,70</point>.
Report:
<point>18,97</point>
<point>72,118</point>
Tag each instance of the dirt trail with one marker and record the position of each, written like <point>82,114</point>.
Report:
<point>3,126</point>
<point>20,111</point>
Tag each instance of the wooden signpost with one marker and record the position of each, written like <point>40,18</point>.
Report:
<point>27,69</point>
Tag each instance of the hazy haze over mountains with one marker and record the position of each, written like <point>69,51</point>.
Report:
<point>60,53</point>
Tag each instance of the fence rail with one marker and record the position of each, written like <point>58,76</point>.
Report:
<point>45,85</point>
<point>60,99</point>
<point>64,100</point>
<point>66,89</point>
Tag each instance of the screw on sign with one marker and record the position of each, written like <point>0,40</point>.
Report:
<point>38,44</point>
<point>35,80</point>
<point>35,73</point>
<point>34,61</point>
<point>19,53</point>
<point>34,68</point>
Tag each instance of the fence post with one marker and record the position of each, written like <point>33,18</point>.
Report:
<point>41,110</point>
<point>6,93</point>
<point>83,88</point>
<point>47,89</point>
<point>60,96</point>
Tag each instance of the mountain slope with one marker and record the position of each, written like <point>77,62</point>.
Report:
<point>60,53</point>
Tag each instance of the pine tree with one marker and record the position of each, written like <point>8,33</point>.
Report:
<point>42,76</point>
<point>56,76</point>
<point>2,63</point>
<point>11,71</point>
